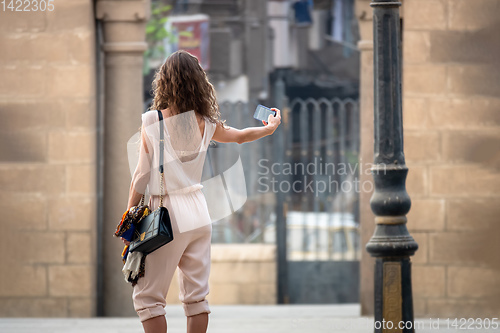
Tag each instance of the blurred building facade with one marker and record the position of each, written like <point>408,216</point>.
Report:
<point>451,118</point>
<point>310,49</point>
<point>311,46</point>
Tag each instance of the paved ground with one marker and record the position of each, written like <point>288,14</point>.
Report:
<point>228,319</point>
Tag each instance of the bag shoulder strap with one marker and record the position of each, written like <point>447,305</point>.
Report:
<point>162,140</point>
<point>162,143</point>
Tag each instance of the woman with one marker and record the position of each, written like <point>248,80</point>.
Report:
<point>187,102</point>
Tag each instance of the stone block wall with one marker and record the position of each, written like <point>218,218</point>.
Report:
<point>451,117</point>
<point>48,161</point>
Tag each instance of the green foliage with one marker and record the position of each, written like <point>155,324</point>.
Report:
<point>156,33</point>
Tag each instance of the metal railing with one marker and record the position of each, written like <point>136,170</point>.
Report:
<point>321,218</point>
<point>322,143</point>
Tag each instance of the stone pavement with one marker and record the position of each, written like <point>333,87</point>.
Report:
<point>227,319</point>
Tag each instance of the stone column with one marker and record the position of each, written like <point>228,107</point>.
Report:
<point>365,45</point>
<point>124,44</point>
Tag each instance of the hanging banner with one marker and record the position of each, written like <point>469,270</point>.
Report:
<point>189,33</point>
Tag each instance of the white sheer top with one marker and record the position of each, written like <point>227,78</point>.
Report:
<point>184,154</point>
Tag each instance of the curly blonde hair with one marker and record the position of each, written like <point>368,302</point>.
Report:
<point>181,85</point>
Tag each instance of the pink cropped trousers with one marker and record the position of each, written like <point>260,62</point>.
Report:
<point>190,251</point>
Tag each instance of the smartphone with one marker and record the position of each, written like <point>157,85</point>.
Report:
<point>262,113</point>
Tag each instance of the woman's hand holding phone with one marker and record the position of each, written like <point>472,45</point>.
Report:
<point>273,121</point>
<point>249,134</point>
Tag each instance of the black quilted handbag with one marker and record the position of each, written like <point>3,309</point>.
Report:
<point>154,230</point>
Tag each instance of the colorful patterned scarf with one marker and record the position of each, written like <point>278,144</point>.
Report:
<point>134,265</point>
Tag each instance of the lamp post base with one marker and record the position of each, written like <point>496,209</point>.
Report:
<point>393,296</point>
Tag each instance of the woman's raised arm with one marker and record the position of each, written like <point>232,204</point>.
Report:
<point>230,134</point>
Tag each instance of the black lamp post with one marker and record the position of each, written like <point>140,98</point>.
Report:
<point>391,243</point>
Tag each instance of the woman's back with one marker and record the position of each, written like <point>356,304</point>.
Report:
<point>186,132</point>
<point>185,146</point>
